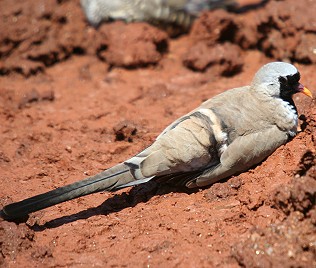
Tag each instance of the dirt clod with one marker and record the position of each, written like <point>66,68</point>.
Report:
<point>125,131</point>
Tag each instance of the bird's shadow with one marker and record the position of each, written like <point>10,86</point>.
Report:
<point>138,194</point>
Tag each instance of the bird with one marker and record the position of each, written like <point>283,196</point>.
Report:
<point>225,135</point>
<point>178,12</point>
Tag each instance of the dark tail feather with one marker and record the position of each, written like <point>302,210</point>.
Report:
<point>110,179</point>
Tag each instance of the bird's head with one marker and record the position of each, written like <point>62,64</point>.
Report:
<point>280,80</point>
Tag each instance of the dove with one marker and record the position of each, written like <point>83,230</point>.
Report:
<point>178,12</point>
<point>225,135</point>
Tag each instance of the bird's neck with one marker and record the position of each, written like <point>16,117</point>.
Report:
<point>290,103</point>
<point>287,116</point>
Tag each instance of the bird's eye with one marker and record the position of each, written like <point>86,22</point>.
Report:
<point>282,80</point>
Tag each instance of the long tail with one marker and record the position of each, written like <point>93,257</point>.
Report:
<point>117,177</point>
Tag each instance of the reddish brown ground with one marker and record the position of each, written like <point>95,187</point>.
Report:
<point>75,100</point>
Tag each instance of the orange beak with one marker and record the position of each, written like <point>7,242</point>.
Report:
<point>304,90</point>
<point>307,92</point>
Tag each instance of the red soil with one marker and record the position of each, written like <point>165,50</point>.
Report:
<point>75,100</point>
